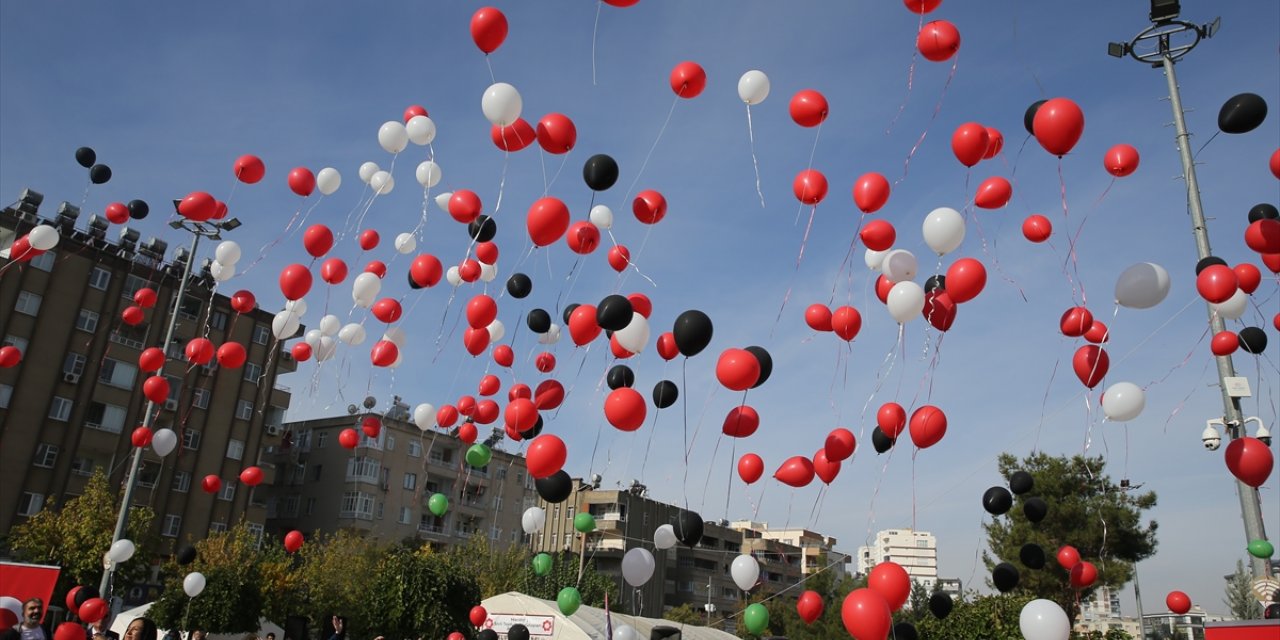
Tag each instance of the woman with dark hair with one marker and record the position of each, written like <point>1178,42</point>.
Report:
<point>141,629</point>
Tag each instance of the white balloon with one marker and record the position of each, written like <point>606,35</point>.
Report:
<point>163,441</point>
<point>365,288</point>
<point>943,230</point>
<point>1044,620</point>
<point>285,325</point>
<point>406,243</point>
<point>329,325</point>
<point>905,301</point>
<point>367,170</point>
<point>874,259</point>
<point>626,632</point>
<point>637,566</point>
<point>1123,401</point>
<point>496,330</point>
<point>327,348</point>
<point>635,335</point>
<point>424,415</point>
<point>442,200</point>
<point>899,265</point>
<point>428,174</point>
<point>753,87</point>
<point>552,335</point>
<point>421,130</point>
<point>382,183</point>
<point>393,137</point>
<point>312,337</point>
<point>745,571</point>
<point>501,104</point>
<point>221,272</point>
<point>533,519</point>
<point>1142,286</point>
<point>664,537</point>
<point>353,334</point>
<point>121,550</point>
<point>602,216</point>
<point>228,252</point>
<point>193,584</point>
<point>1234,307</point>
<point>43,237</point>
<point>453,277</point>
<point>488,272</point>
<point>328,180</point>
<point>396,335</point>
<point>296,307</point>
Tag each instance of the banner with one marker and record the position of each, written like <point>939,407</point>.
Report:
<point>26,581</point>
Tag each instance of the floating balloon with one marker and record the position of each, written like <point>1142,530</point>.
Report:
<point>753,87</point>
<point>501,104</point>
<point>810,186</point>
<point>1044,620</point>
<point>943,230</point>
<point>969,143</point>
<point>1142,286</point>
<point>1249,460</point>
<point>688,79</point>
<point>1242,113</point>
<point>1121,160</point>
<point>866,615</point>
<point>993,193</point>
<point>1058,125</point>
<point>808,108</point>
<point>938,41</point>
<point>928,425</point>
<point>638,566</point>
<point>556,133</point>
<point>750,468</point>
<point>796,471</point>
<point>1123,401</point>
<point>488,29</point>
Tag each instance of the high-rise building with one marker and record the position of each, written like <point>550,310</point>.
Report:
<point>70,405</point>
<point>818,550</point>
<point>382,487</point>
<point>915,551</point>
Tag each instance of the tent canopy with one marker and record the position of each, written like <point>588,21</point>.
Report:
<point>123,619</point>
<point>587,623</point>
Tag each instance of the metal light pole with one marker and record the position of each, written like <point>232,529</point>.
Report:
<point>198,230</point>
<point>1161,45</point>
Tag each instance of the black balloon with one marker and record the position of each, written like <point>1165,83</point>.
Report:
<point>186,554</point>
<point>688,527</point>
<point>534,431</point>
<point>86,157</point>
<point>692,332</point>
<point>519,285</point>
<point>620,375</point>
<point>614,312</point>
<point>1272,612</point>
<point>1209,261</point>
<point>1242,113</point>
<point>518,632</point>
<point>997,501</point>
<point>539,321</point>
<point>555,488</point>
<point>487,634</point>
<point>99,174</point>
<point>138,209</point>
<point>665,394</point>
<point>934,283</point>
<point>1263,211</point>
<point>1253,340</point>
<point>482,229</point>
<point>1021,482</point>
<point>86,592</point>
<point>904,631</point>
<point>766,364</point>
<point>881,440</point>
<point>600,172</point>
<point>1029,118</point>
<point>1031,555</point>
<point>1035,509</point>
<point>940,605</point>
<point>412,283</point>
<point>568,311</point>
<point>1005,577</point>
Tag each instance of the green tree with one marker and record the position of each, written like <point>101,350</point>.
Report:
<point>417,593</point>
<point>77,536</point>
<point>232,599</point>
<point>686,614</point>
<point>993,617</point>
<point>337,572</point>
<point>1240,599</point>
<point>1088,511</point>
<point>784,620</point>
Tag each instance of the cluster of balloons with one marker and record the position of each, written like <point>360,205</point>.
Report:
<point>88,158</point>
<point>30,245</point>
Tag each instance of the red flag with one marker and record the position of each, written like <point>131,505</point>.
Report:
<point>27,581</point>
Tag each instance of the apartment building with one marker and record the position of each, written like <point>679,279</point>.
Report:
<point>915,551</point>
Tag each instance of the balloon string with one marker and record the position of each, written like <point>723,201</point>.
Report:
<point>751,136</point>
<point>906,165</point>
<point>853,243</point>
<point>995,260</point>
<point>1044,403</point>
<point>489,65</point>
<point>649,155</point>
<point>911,74</point>
<point>594,30</point>
<point>684,405</point>
<point>262,253</point>
<point>711,465</point>
<point>502,180</point>
<point>804,241</point>
<point>1071,241</point>
<point>733,457</point>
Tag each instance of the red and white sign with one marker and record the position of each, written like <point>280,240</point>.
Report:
<point>26,581</point>
<point>538,626</point>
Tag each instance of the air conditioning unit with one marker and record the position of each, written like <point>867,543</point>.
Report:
<point>171,404</point>
<point>273,429</point>
<point>72,378</point>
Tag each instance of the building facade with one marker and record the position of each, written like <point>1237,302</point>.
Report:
<point>1171,626</point>
<point>818,551</point>
<point>915,551</point>
<point>69,407</point>
<point>382,487</point>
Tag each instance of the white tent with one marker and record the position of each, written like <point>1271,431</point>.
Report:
<point>125,617</point>
<point>545,622</point>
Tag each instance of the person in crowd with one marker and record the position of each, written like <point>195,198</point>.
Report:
<point>271,635</point>
<point>101,630</point>
<point>30,628</point>
<point>339,628</point>
<point>141,629</point>
<point>196,634</point>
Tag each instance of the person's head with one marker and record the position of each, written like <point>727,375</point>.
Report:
<point>197,634</point>
<point>140,629</point>
<point>271,635</point>
<point>32,610</point>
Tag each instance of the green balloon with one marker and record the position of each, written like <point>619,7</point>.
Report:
<point>542,564</point>
<point>1261,549</point>
<point>438,504</point>
<point>756,617</point>
<point>569,600</point>
<point>584,523</point>
<point>479,455</point>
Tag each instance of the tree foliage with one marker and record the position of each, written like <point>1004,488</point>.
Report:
<point>1240,599</point>
<point>994,617</point>
<point>337,572</point>
<point>511,569</point>
<point>418,594</point>
<point>1088,511</point>
<point>784,620</point>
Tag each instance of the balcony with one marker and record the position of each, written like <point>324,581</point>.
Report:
<point>614,516</point>
<point>433,532</point>
<point>606,544</point>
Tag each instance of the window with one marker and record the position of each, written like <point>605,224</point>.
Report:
<point>46,455</point>
<point>391,443</point>
<point>120,374</point>
<point>356,504</point>
<point>190,439</point>
<point>181,481</point>
<point>922,543</point>
<point>28,303</point>
<point>244,409</point>
<point>132,284</point>
<point>228,491</point>
<point>44,261</point>
<point>134,337</point>
<point>252,372</point>
<point>107,417</point>
<point>200,398</point>
<point>175,387</point>
<point>30,504</point>
<point>410,481</point>
<point>497,504</point>
<point>82,466</point>
<point>255,530</point>
<point>147,476</point>
<point>218,320</point>
<point>311,506</point>
<point>73,364</point>
<point>99,278</point>
<point>290,508</point>
<point>405,515</point>
<point>15,341</point>
<point>502,473</point>
<point>321,439</point>
<point>441,456</point>
<point>315,472</point>
<point>363,468</point>
<point>217,527</point>
<point>172,525</point>
<point>60,409</point>
<point>235,449</point>
<point>87,321</point>
<point>415,449</point>
<point>381,505</point>
<point>261,334</point>
<point>6,393</point>
<point>190,307</point>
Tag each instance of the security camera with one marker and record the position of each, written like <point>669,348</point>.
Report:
<point>1263,434</point>
<point>1211,438</point>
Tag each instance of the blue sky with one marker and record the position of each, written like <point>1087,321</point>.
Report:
<point>170,94</point>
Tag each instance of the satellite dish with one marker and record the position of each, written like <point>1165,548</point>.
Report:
<point>352,409</point>
<point>369,402</point>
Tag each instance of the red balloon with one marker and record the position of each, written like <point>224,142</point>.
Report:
<point>1098,333</point>
<point>545,362</point>
<point>1248,277</point>
<point>995,142</point>
<point>649,206</point>
<point>141,437</point>
<point>91,611</point>
<point>824,468</point>
<point>922,7</point>
<point>737,369</point>
<point>513,137</point>
<point>625,409</point>
<point>619,257</point>
<point>1037,228</point>
<point>488,30</point>
<point>688,79</point>
<point>1274,164</point>
<point>1272,261</point>
<point>1249,460</point>
<point>388,310</point>
<point>546,455</point>
<point>549,395</point>
<point>469,270</point>
<point>475,340</point>
<point>489,385</point>
<point>547,220</point>
<point>377,268</point>
<point>211,484</point>
<point>478,615</point>
<point>878,235</point>
<point>883,287</point>
<point>1263,236</point>
<point>10,356</point>
<point>199,351</point>
<point>219,210</point>
<point>621,3</point>
<point>301,351</point>
<point>249,169</point>
<point>467,406</point>
<point>1178,602</point>
<point>1217,283</point>
<point>371,426</point>
<point>891,581</point>
<point>519,390</point>
<point>295,281</point>
<point>481,311</point>
<point>243,301</point>
<point>938,41</point>
<point>750,467</point>
<point>349,438</point>
<point>993,193</point>
<point>521,414</point>
<point>71,605</point>
<point>582,237</point>
<point>641,304</point>
<point>146,297</point>
<point>486,412</point>
<point>582,324</point>
<point>317,240</point>
<point>870,193</point>
<point>892,419</point>
<point>198,206</point>
<point>302,181</point>
<point>446,416</point>
<point>251,476</point>
<point>456,636</point>
<point>414,110</point>
<point>1090,364</point>
<point>72,630</point>
<point>487,253</point>
<point>293,541</point>
<point>464,206</point>
<point>231,355</point>
<point>741,422</point>
<point>1224,343</point>
<point>939,309</point>
<point>117,213</point>
<point>966,278</point>
<point>866,615</point>
<point>620,352</point>
<point>156,389</point>
<point>928,426</point>
<point>810,605</point>
<point>384,353</point>
<point>1121,160</point>
<point>369,239</point>
<point>333,271</point>
<point>1083,575</point>
<point>840,444</point>
<point>1068,557</point>
<point>132,316</point>
<point>810,186</point>
<point>1058,125</point>
<point>556,133</point>
<point>846,322</point>
<point>468,433</point>
<point>1075,322</point>
<point>969,143</point>
<point>818,317</point>
<point>809,108</point>
<point>667,347</point>
<point>796,471</point>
